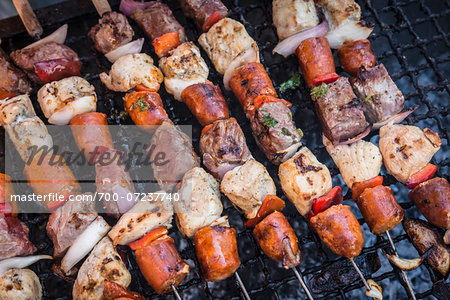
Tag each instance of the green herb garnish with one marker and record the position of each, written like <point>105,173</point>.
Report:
<point>300,132</point>
<point>123,115</point>
<point>290,114</point>
<point>290,84</point>
<point>285,131</point>
<point>142,104</point>
<point>319,91</point>
<point>268,121</point>
<point>367,98</point>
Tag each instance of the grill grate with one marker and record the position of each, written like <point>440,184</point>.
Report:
<point>410,38</point>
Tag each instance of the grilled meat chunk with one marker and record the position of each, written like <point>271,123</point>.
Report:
<point>24,128</point>
<point>184,67</point>
<point>303,178</point>
<point>62,100</point>
<point>292,16</point>
<point>104,263</point>
<point>406,149</point>
<point>148,214</point>
<point>355,55</point>
<point>223,147</point>
<point>26,58</point>
<point>275,131</point>
<point>247,186</point>
<point>131,70</point>
<point>357,162</point>
<point>199,203</point>
<point>225,41</point>
<point>339,112</point>
<point>111,32</point>
<point>432,198</point>
<point>201,10</point>
<point>14,238</point>
<point>379,96</point>
<point>20,284</point>
<point>12,79</point>
<point>67,222</point>
<point>157,19</point>
<point>179,155</point>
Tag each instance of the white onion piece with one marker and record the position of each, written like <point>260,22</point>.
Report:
<point>247,56</point>
<point>133,47</point>
<point>287,46</point>
<point>375,292</point>
<point>80,106</point>
<point>289,152</point>
<point>395,119</point>
<point>348,32</point>
<point>20,262</point>
<point>175,86</point>
<point>405,264</point>
<point>58,36</point>
<point>84,243</point>
<point>356,138</point>
<point>447,237</point>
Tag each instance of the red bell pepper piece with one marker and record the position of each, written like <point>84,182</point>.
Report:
<point>148,238</point>
<point>422,175</point>
<point>5,94</point>
<point>212,19</point>
<point>6,209</point>
<point>270,204</point>
<point>114,291</point>
<point>321,204</point>
<point>206,128</point>
<point>359,187</point>
<point>165,43</point>
<point>328,78</point>
<point>56,69</point>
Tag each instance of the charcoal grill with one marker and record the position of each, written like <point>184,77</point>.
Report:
<point>410,38</point>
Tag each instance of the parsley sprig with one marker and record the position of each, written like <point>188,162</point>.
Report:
<point>291,83</point>
<point>269,121</point>
<point>319,91</point>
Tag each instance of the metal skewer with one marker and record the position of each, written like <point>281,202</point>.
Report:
<point>102,6</point>
<point>361,275</point>
<point>411,291</point>
<point>300,279</point>
<point>174,289</point>
<point>241,285</point>
<point>29,19</point>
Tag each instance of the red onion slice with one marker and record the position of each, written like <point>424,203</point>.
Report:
<point>133,47</point>
<point>129,6</point>
<point>20,262</point>
<point>247,56</point>
<point>356,138</point>
<point>287,46</point>
<point>58,36</point>
<point>395,119</point>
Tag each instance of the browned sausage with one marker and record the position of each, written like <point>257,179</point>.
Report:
<point>339,229</point>
<point>206,102</point>
<point>315,58</point>
<point>161,264</point>
<point>380,209</point>
<point>432,198</point>
<point>250,81</point>
<point>356,54</point>
<point>146,109</point>
<point>278,240</point>
<point>217,252</point>
<point>90,130</point>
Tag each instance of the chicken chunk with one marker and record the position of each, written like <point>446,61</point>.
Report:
<point>24,128</point>
<point>199,203</point>
<point>357,162</point>
<point>131,70</point>
<point>406,149</point>
<point>104,263</point>
<point>62,100</point>
<point>14,239</point>
<point>247,186</point>
<point>20,284</point>
<point>292,16</point>
<point>380,97</point>
<point>225,41</point>
<point>184,67</point>
<point>149,213</point>
<point>303,178</point>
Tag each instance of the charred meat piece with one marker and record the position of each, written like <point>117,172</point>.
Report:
<point>247,186</point>
<point>357,162</point>
<point>275,131</point>
<point>201,10</point>
<point>378,94</point>
<point>104,263</point>
<point>292,16</point>
<point>111,32</point>
<point>339,229</point>
<point>355,55</point>
<point>12,79</point>
<point>406,149</point>
<point>157,19</point>
<point>14,238</point>
<point>432,198</point>
<point>27,58</point>
<point>303,178</point>
<point>223,147</point>
<point>339,111</point>
<point>67,222</point>
<point>20,284</point>
<point>199,203</point>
